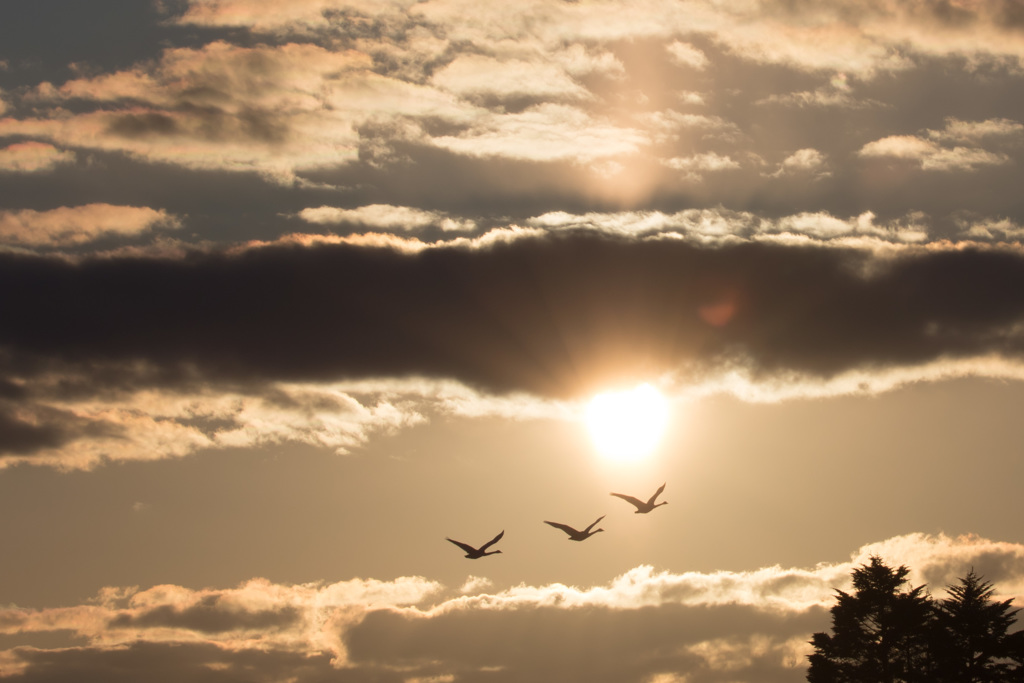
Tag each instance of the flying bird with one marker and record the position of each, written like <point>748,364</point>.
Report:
<point>575,535</point>
<point>643,508</point>
<point>476,553</point>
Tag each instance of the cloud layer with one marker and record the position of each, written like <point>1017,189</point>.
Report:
<point>251,340</point>
<point>644,625</point>
<point>328,84</point>
<point>515,316</point>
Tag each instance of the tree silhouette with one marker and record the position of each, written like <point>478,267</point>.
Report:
<point>887,632</point>
<point>878,631</point>
<point>973,643</point>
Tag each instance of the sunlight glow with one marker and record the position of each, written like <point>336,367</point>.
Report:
<point>627,425</point>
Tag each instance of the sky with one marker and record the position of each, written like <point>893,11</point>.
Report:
<point>294,292</point>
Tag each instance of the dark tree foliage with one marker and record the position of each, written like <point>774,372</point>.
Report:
<point>973,642</point>
<point>878,631</point>
<point>888,632</point>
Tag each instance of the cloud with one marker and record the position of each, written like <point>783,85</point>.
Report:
<point>672,125</point>
<point>721,226</point>
<point>856,37</point>
<point>329,84</point>
<point>975,131</point>
<point>633,644</point>
<point>938,560</point>
<point>386,217</point>
<point>475,584</point>
<point>207,616</point>
<point>275,110</point>
<point>228,77</point>
<point>806,161</point>
<point>865,38</point>
<point>687,55</point>
<point>930,155</point>
<point>223,629</point>
<point>822,97</point>
<point>698,164</point>
<point>990,229</point>
<point>33,157</point>
<point>73,225</point>
<point>204,139</point>
<point>249,331</point>
<point>977,32</point>
<point>478,75</point>
<point>546,132</point>
<point>837,93</point>
<point>642,625</point>
<point>259,15</point>
<point>280,110</point>
<point>60,425</point>
<point>59,419</point>
<point>579,60</point>
<point>691,97</point>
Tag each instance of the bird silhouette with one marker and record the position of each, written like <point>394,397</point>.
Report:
<point>643,508</point>
<point>575,535</point>
<point>476,553</point>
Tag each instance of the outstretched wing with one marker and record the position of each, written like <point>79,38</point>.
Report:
<point>564,527</point>
<point>491,542</point>
<point>587,530</point>
<point>465,546</point>
<point>630,499</point>
<point>656,494</point>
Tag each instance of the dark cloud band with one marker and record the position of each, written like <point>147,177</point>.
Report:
<point>551,316</point>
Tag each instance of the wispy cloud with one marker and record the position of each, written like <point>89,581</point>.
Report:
<point>933,155</point>
<point>838,92</point>
<point>687,55</point>
<point>993,229</point>
<point>478,75</point>
<point>72,225</point>
<point>974,132</point>
<point>33,157</point>
<point>699,164</point>
<point>59,423</point>
<point>76,432</point>
<point>547,132</point>
<point>386,217</point>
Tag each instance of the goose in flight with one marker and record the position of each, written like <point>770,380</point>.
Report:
<point>476,553</point>
<point>575,535</point>
<point>643,508</point>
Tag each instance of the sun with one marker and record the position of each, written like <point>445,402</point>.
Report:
<point>627,425</point>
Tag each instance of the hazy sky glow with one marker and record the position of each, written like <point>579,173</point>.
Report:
<point>295,290</point>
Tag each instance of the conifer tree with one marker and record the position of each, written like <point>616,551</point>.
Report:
<point>973,643</point>
<point>879,632</point>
